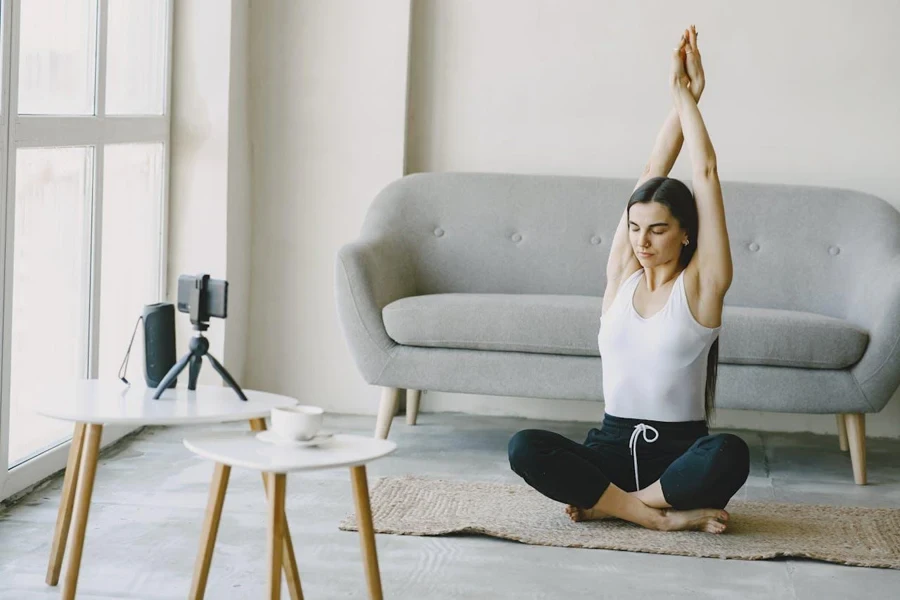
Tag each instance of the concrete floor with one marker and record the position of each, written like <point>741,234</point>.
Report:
<point>150,495</point>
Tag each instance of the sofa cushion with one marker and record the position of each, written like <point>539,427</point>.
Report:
<point>568,324</point>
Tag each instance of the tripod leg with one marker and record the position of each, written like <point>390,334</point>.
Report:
<point>194,371</point>
<point>173,373</point>
<point>220,369</point>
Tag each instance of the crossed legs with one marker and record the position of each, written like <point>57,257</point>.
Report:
<point>593,481</point>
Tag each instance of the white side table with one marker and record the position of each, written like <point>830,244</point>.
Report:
<point>93,403</point>
<point>242,449</point>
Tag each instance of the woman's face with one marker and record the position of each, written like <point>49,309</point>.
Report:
<point>656,236</point>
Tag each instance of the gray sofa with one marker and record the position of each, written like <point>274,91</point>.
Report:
<point>492,284</point>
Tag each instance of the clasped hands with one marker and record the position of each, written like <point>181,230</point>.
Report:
<point>687,70</point>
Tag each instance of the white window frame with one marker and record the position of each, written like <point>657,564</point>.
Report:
<point>30,131</point>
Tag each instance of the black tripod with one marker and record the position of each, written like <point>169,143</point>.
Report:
<point>199,348</point>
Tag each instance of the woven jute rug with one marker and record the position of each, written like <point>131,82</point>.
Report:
<point>413,505</point>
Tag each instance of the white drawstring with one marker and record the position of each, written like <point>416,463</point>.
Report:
<point>632,446</point>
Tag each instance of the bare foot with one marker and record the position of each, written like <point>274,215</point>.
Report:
<point>585,514</point>
<point>711,520</point>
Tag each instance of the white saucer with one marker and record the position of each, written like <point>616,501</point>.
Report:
<point>270,437</point>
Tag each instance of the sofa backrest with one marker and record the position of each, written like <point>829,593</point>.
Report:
<point>794,247</point>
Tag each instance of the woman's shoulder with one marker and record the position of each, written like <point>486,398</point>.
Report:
<point>614,285</point>
<point>705,307</point>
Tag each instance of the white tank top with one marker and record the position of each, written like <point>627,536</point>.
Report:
<point>654,368</point>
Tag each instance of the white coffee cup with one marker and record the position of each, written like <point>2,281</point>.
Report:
<point>298,423</point>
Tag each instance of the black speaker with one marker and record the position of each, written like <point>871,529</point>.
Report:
<point>159,342</point>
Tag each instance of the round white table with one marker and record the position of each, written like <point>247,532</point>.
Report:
<point>93,403</point>
<point>243,449</point>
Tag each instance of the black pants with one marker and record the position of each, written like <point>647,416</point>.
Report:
<point>695,469</point>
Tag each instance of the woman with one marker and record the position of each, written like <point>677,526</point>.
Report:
<point>668,271</point>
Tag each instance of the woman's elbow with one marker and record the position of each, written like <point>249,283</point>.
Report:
<point>708,169</point>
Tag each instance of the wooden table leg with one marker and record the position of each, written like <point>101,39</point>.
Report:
<point>82,507</point>
<point>210,529</point>
<point>366,530</point>
<point>289,560</point>
<point>66,501</point>
<point>277,484</point>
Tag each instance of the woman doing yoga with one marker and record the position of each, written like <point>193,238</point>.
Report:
<point>653,462</point>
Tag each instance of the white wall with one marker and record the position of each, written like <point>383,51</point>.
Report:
<point>800,92</point>
<point>209,207</point>
<point>327,102</point>
<point>239,213</point>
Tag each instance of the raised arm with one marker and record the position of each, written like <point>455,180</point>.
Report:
<point>671,137</point>
<point>713,255</point>
<point>665,152</point>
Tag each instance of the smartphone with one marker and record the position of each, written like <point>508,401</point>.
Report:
<point>209,295</point>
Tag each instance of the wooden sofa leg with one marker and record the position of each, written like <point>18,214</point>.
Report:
<point>842,431</point>
<point>856,437</point>
<point>390,399</point>
<point>412,406</point>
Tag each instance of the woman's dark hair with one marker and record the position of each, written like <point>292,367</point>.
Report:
<point>681,203</point>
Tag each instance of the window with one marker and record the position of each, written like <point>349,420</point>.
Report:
<point>84,148</point>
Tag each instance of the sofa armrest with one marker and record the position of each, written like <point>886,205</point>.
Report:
<point>369,275</point>
<point>876,307</point>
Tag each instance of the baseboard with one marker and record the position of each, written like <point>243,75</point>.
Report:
<point>885,424</point>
